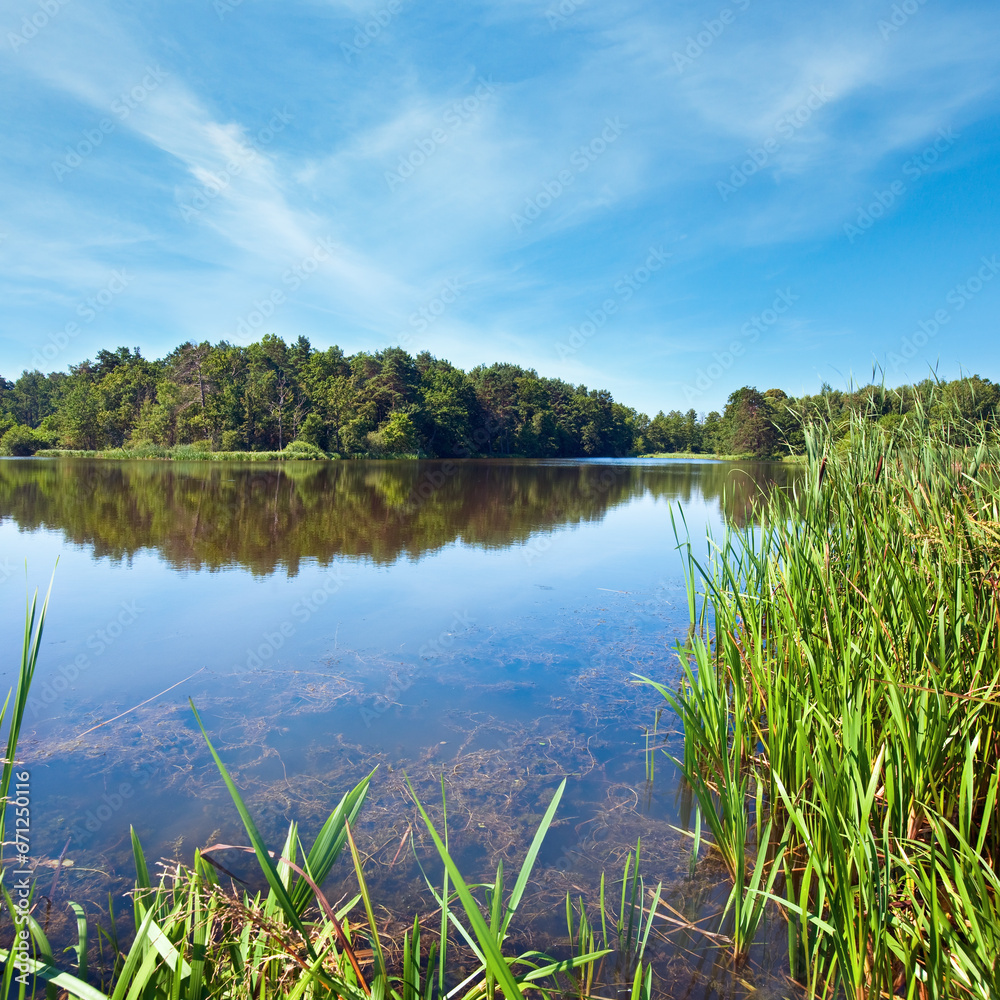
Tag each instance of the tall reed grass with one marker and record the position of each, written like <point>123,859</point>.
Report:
<point>841,710</point>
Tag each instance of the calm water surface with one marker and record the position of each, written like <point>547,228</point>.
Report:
<point>476,620</point>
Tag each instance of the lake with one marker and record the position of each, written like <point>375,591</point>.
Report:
<point>476,620</point>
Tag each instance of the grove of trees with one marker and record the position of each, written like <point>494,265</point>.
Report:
<point>224,397</point>
<point>261,397</point>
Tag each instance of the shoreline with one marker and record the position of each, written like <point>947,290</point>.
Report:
<point>124,455</point>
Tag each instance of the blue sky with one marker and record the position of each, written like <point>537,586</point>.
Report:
<point>665,200</point>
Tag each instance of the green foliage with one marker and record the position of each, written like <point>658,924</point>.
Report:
<point>22,441</point>
<point>313,431</point>
<point>842,717</point>
<point>198,451</point>
<point>750,424</point>
<point>676,432</point>
<point>260,397</point>
<point>231,441</point>
<point>772,424</point>
<point>303,451</point>
<point>34,624</point>
<point>388,403</point>
<point>397,435</point>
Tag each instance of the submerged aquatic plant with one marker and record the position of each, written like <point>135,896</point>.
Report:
<point>196,939</point>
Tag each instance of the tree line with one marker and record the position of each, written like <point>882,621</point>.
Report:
<point>771,424</point>
<point>262,397</point>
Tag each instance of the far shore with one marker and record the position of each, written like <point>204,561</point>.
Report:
<point>183,453</point>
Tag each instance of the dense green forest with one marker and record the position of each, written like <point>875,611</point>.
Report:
<point>260,398</point>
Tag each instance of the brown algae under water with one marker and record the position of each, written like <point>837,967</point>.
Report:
<point>498,771</point>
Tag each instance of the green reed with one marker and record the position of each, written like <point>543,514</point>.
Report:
<point>14,704</point>
<point>841,709</point>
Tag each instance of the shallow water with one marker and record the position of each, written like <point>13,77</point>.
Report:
<point>477,620</point>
